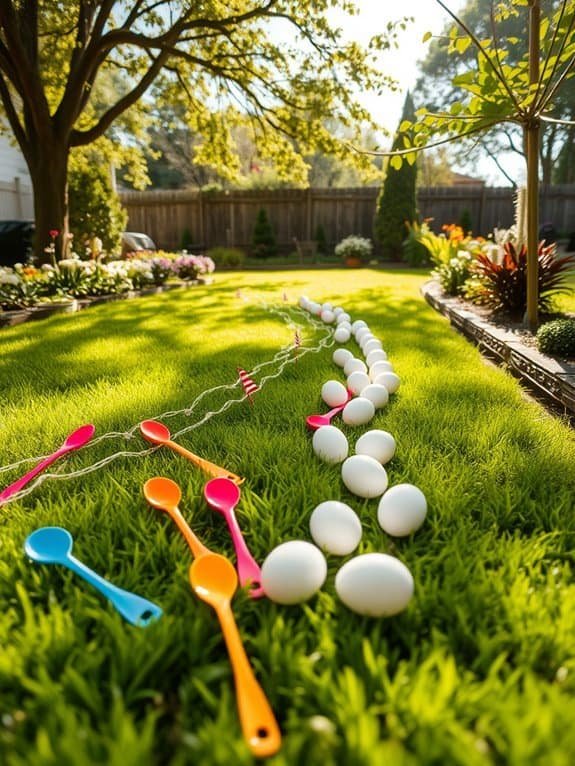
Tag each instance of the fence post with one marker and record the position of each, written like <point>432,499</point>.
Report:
<point>18,193</point>
<point>308,234</point>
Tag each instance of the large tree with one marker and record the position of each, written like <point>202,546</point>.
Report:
<point>280,63</point>
<point>436,87</point>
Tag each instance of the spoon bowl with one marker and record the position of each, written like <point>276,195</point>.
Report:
<point>317,421</point>
<point>213,578</point>
<point>222,494</point>
<point>162,493</point>
<point>49,545</point>
<point>80,437</point>
<point>155,432</point>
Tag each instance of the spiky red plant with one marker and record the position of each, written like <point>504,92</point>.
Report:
<point>505,283</point>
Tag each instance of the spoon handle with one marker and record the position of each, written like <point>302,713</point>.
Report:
<point>248,568</point>
<point>257,719</point>
<point>210,468</point>
<point>194,543</point>
<point>335,410</point>
<point>135,609</point>
<point>20,483</point>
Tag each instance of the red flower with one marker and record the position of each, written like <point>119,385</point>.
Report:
<point>53,233</point>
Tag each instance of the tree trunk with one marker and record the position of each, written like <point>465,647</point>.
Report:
<point>48,165</point>
<point>532,139</point>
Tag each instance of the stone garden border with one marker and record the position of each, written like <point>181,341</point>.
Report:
<point>547,376</point>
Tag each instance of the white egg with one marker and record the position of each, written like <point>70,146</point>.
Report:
<point>365,339</point>
<point>357,381</point>
<point>327,316</point>
<point>341,355</point>
<point>377,444</point>
<point>343,317</point>
<point>378,355</point>
<point>361,333</point>
<point>334,393</point>
<point>314,308</point>
<point>344,325</point>
<point>377,394</point>
<point>341,335</point>
<point>358,411</point>
<point>326,307</point>
<point>374,344</point>
<point>335,528</point>
<point>388,379</point>
<point>357,324</point>
<point>378,367</point>
<point>293,572</point>
<point>330,444</point>
<point>354,364</point>
<point>364,476</point>
<point>337,311</point>
<point>402,510</point>
<point>374,584</point>
<point>303,301</point>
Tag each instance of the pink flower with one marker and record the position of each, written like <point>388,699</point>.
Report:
<point>53,233</point>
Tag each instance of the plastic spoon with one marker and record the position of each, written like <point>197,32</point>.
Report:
<point>214,580</point>
<point>317,421</point>
<point>73,442</point>
<point>223,495</point>
<point>165,495</point>
<point>53,545</point>
<point>157,433</point>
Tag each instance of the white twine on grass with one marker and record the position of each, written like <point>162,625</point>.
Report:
<point>284,357</point>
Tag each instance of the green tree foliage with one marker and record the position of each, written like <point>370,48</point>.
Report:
<point>280,66</point>
<point>396,206</point>
<point>263,240</point>
<point>95,207</point>
<point>498,91</point>
<point>465,221</point>
<point>436,86</point>
<point>321,240</point>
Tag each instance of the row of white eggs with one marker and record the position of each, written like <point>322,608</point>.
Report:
<point>295,571</point>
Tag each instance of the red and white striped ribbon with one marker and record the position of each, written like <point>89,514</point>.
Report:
<point>250,387</point>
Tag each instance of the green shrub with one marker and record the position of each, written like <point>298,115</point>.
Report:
<point>95,208</point>
<point>186,240</point>
<point>557,338</point>
<point>321,240</point>
<point>263,240</point>
<point>227,257</point>
<point>505,283</point>
<point>414,251</point>
<point>396,204</point>
<point>465,221</point>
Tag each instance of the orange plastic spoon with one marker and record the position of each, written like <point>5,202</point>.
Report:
<point>214,580</point>
<point>158,433</point>
<point>165,495</point>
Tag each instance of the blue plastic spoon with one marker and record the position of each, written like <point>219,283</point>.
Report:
<point>53,545</point>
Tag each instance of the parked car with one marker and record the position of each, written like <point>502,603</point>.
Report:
<point>16,239</point>
<point>135,242</point>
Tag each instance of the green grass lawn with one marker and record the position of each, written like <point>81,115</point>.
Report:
<point>567,302</point>
<point>480,669</point>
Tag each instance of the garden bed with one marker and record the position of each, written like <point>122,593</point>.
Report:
<point>511,346</point>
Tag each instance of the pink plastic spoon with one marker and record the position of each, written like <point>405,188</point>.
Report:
<point>317,421</point>
<point>76,440</point>
<point>223,495</point>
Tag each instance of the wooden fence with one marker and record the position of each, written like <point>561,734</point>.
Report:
<point>227,218</point>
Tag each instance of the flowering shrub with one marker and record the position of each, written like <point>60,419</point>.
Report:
<point>20,287</point>
<point>24,286</point>
<point>354,247</point>
<point>452,253</point>
<point>193,266</point>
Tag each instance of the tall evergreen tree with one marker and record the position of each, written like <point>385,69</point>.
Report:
<point>397,202</point>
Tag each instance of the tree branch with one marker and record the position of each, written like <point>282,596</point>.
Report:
<point>82,137</point>
<point>481,49</point>
<point>12,115</point>
<point>546,95</point>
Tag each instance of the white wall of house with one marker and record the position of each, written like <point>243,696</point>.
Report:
<point>16,199</point>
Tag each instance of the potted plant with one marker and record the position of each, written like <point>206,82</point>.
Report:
<point>354,250</point>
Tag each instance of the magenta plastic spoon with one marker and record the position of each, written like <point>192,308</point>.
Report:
<point>76,440</point>
<point>223,495</point>
<point>317,421</point>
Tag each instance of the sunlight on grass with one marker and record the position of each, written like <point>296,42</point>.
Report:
<point>479,669</point>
